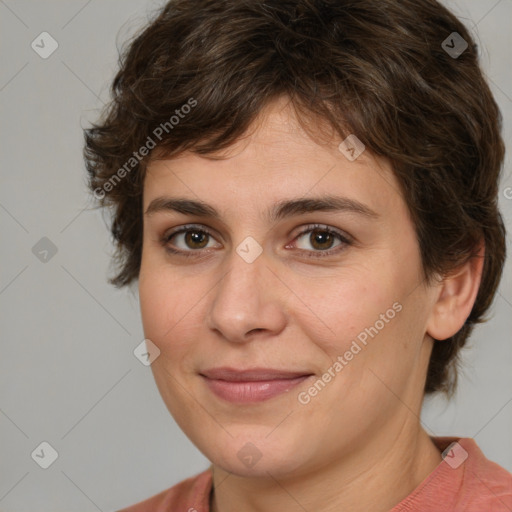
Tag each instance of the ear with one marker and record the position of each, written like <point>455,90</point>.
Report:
<point>456,297</point>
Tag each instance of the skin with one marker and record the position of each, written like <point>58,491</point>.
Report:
<point>358,444</point>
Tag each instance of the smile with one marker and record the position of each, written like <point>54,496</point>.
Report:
<point>250,386</point>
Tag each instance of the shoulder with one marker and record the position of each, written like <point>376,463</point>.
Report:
<point>488,483</point>
<point>484,484</point>
<point>464,481</point>
<point>190,495</point>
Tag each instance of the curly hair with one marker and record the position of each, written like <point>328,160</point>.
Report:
<point>404,76</point>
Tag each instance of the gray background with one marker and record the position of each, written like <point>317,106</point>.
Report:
<point>68,375</point>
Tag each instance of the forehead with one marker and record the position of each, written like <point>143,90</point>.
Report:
<point>275,159</point>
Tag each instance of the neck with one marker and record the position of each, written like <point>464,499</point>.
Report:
<point>376,477</point>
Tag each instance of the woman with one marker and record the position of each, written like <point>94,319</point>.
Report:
<point>306,193</point>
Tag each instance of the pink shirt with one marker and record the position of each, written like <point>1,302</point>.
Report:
<point>465,481</point>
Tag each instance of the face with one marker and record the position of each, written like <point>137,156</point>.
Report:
<point>291,334</point>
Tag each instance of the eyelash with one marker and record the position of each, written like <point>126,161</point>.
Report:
<point>313,227</point>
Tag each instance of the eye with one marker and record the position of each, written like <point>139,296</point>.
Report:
<point>187,239</point>
<point>322,239</point>
<point>191,240</point>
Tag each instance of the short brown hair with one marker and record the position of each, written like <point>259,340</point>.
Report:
<point>376,68</point>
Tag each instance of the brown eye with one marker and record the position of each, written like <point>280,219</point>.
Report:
<point>196,239</point>
<point>188,240</point>
<point>321,239</point>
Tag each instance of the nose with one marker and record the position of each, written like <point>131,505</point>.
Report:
<point>247,302</point>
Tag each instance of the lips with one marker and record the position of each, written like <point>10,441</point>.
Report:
<point>250,375</point>
<point>251,385</point>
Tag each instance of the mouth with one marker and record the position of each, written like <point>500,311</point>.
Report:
<point>251,385</point>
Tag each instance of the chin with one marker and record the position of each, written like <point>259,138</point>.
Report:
<point>256,454</point>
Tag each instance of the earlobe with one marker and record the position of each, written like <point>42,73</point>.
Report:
<point>457,295</point>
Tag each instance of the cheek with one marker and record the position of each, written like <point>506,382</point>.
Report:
<point>161,304</point>
<point>171,310</point>
<point>370,325</point>
<point>154,304</point>
<point>349,309</point>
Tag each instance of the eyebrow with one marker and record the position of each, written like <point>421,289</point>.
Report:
<point>281,210</point>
